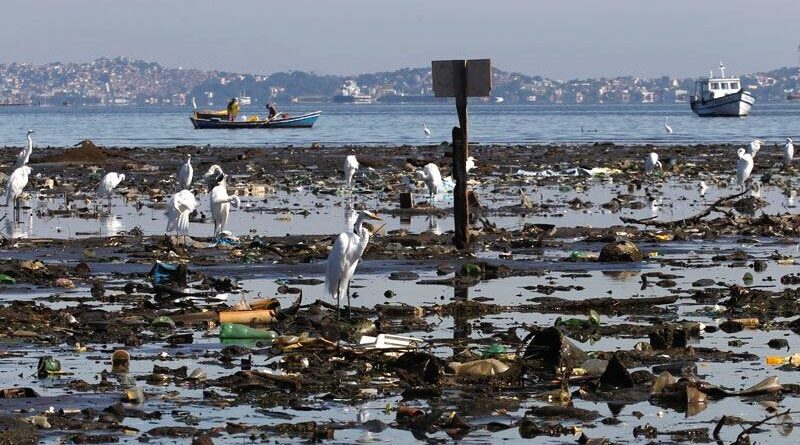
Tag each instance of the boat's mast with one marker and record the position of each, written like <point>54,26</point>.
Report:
<point>722,70</point>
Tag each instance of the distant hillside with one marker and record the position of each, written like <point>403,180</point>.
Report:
<point>123,81</point>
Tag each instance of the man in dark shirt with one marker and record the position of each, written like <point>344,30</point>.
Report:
<point>272,110</point>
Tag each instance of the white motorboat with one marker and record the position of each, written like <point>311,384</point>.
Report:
<point>721,96</point>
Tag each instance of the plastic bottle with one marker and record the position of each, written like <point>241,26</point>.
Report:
<point>793,360</point>
<point>493,350</point>
<point>240,331</point>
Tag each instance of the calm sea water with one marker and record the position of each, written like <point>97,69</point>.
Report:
<point>342,124</point>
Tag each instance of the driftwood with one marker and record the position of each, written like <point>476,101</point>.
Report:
<point>603,304</point>
<point>682,222</point>
<point>742,438</point>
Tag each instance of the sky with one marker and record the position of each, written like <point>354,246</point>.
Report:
<point>563,39</point>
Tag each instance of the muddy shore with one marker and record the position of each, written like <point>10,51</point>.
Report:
<point>598,303</point>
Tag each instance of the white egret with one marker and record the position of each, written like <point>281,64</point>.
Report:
<point>16,183</point>
<point>788,152</point>
<point>426,130</point>
<point>470,163</point>
<point>179,207</point>
<point>703,188</point>
<point>753,148</point>
<point>25,155</point>
<point>666,124</point>
<point>652,162</point>
<point>186,173</point>
<point>213,175</point>
<point>744,166</point>
<point>221,205</point>
<point>109,182</point>
<point>344,257</point>
<point>350,167</point>
<point>433,179</point>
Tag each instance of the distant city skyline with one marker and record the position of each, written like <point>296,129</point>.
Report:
<point>562,40</point>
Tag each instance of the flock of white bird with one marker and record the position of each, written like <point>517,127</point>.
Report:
<point>744,164</point>
<point>179,206</point>
<point>350,245</point>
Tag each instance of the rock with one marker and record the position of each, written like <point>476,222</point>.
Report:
<point>749,205</point>
<point>15,431</point>
<point>759,265</point>
<point>403,276</point>
<point>794,325</point>
<point>444,269</point>
<point>554,350</point>
<point>419,368</point>
<point>202,440</point>
<point>684,369</point>
<point>666,336</point>
<point>64,283</point>
<point>563,412</point>
<point>731,326</point>
<point>82,269</point>
<point>620,252</point>
<point>778,343</point>
<point>616,375</point>
<point>703,282</point>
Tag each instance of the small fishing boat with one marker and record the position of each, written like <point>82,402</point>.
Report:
<point>203,120</point>
<point>721,96</point>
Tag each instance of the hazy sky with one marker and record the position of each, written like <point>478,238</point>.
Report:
<point>561,39</point>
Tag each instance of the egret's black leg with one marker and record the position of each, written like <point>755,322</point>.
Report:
<point>349,314</point>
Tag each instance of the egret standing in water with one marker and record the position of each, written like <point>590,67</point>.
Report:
<point>344,257</point>
<point>426,130</point>
<point>433,179</point>
<point>185,174</point>
<point>25,155</point>
<point>179,207</point>
<point>221,205</point>
<point>788,152</point>
<point>350,167</point>
<point>109,182</point>
<point>16,183</point>
<point>666,124</point>
<point>753,148</point>
<point>702,187</point>
<point>652,162</point>
<point>744,166</point>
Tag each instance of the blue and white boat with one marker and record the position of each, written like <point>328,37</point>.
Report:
<point>721,96</point>
<point>282,120</point>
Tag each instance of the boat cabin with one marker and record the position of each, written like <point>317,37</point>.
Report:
<point>713,88</point>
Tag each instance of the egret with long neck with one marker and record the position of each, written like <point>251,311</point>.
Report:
<point>221,205</point>
<point>344,257</point>
<point>25,155</point>
<point>185,174</point>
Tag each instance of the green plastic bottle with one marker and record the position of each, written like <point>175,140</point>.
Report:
<point>240,331</point>
<point>493,350</point>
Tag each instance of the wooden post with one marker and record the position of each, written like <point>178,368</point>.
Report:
<point>460,147</point>
<point>459,79</point>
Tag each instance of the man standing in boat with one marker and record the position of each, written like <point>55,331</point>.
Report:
<point>233,109</point>
<point>272,111</point>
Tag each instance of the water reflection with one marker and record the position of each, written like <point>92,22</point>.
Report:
<point>433,224</point>
<point>19,230</point>
<point>111,224</point>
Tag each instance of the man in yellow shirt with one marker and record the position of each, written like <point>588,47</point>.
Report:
<point>233,109</point>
